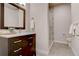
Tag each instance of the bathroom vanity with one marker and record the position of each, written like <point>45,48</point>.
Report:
<point>12,16</point>
<point>21,44</point>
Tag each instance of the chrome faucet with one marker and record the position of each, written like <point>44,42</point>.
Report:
<point>11,29</point>
<point>75,29</point>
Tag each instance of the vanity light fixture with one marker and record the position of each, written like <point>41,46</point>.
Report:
<point>23,4</point>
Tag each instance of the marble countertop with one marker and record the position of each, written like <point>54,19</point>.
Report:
<point>15,34</point>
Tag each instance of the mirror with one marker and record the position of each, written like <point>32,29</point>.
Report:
<point>14,16</point>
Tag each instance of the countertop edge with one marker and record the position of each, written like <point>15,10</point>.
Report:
<point>15,35</point>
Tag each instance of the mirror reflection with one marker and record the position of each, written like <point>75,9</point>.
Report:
<point>13,16</point>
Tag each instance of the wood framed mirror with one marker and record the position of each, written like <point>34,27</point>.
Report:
<point>12,15</point>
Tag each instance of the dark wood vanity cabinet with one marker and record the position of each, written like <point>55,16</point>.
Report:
<point>22,46</point>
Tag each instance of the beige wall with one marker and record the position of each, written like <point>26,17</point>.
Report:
<point>62,21</point>
<point>40,14</point>
<point>75,17</point>
<point>27,17</point>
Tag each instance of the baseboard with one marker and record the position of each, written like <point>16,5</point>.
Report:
<point>41,52</point>
<point>60,42</point>
<point>73,50</point>
<point>51,45</point>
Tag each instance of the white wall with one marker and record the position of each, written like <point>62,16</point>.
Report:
<point>75,11</point>
<point>40,14</point>
<point>62,21</point>
<point>75,16</point>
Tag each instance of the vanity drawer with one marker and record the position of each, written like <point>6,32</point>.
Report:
<point>14,43</point>
<point>14,40</point>
<point>18,41</point>
<point>16,52</point>
<point>30,38</point>
<point>27,39</point>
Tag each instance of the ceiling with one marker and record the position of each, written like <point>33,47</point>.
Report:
<point>51,5</point>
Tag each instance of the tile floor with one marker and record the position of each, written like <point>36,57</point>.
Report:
<point>59,49</point>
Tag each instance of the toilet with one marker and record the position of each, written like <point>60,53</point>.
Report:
<point>69,39</point>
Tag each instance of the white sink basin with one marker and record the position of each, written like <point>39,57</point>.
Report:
<point>6,32</point>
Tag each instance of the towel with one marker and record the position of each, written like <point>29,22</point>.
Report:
<point>74,26</point>
<point>72,29</point>
<point>32,25</point>
<point>77,30</point>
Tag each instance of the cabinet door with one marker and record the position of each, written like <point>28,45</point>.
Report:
<point>27,48</point>
<point>27,51</point>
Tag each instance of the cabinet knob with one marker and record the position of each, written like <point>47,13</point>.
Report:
<point>30,37</point>
<point>30,44</point>
<point>17,41</point>
<point>17,50</point>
